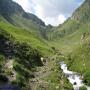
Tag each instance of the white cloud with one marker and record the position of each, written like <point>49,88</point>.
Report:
<point>39,11</point>
<point>55,20</point>
<point>61,18</point>
<point>25,4</point>
<point>50,11</point>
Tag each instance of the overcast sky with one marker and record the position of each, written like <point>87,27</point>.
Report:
<point>52,12</point>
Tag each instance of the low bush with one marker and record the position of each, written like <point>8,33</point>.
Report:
<point>87,78</point>
<point>83,88</point>
<point>3,78</point>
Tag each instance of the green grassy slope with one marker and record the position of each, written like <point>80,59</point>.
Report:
<point>28,24</point>
<point>28,48</point>
<point>79,59</point>
<point>24,52</point>
<point>68,35</point>
<point>68,39</point>
<point>17,60</point>
<point>26,37</point>
<point>21,47</point>
<point>14,14</point>
<point>21,44</point>
<point>23,35</point>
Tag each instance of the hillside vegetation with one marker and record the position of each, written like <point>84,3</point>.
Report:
<point>72,38</point>
<point>25,39</point>
<point>21,45</point>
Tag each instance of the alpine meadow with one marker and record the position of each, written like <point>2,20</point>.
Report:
<point>36,56</point>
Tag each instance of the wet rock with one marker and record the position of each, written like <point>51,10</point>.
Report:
<point>74,83</point>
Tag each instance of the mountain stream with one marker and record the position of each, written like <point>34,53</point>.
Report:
<point>74,78</point>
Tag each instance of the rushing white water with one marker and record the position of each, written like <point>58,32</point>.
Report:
<point>74,78</point>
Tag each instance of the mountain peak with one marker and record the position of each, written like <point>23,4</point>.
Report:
<point>8,8</point>
<point>82,14</point>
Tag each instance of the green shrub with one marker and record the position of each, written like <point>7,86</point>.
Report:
<point>23,71</point>
<point>20,81</point>
<point>2,61</point>
<point>28,56</point>
<point>87,78</point>
<point>83,88</point>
